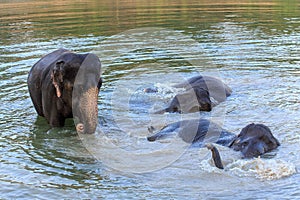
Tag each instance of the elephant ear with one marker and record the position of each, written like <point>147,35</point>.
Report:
<point>57,76</point>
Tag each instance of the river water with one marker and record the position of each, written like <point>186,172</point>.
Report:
<point>253,46</point>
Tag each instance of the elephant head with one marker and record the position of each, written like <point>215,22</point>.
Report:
<point>193,100</point>
<point>85,95</point>
<point>255,140</point>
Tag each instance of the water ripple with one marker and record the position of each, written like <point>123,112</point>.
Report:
<point>255,52</point>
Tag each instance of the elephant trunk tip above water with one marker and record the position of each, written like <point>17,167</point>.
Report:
<point>63,84</point>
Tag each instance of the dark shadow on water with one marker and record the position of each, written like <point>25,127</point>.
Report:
<point>41,129</point>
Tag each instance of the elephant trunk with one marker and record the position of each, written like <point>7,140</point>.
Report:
<point>87,111</point>
<point>85,94</point>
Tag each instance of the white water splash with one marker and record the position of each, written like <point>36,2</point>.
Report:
<point>263,169</point>
<point>273,168</point>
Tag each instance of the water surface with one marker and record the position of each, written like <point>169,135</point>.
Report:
<point>253,46</point>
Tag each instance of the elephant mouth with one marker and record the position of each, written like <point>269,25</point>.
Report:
<point>80,128</point>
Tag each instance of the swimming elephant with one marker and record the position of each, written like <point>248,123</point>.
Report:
<point>192,100</point>
<point>196,132</point>
<point>201,94</point>
<point>63,85</point>
<point>254,140</point>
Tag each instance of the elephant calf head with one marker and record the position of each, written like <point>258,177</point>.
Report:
<point>255,140</point>
<point>192,100</point>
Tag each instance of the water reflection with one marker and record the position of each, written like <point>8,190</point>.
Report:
<point>39,19</point>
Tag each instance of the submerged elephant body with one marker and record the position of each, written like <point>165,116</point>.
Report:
<point>192,100</point>
<point>64,84</point>
<point>201,94</point>
<point>217,89</point>
<point>196,132</point>
<point>254,140</point>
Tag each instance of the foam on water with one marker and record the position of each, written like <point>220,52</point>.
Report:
<point>261,168</point>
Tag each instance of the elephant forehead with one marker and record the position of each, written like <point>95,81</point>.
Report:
<point>249,139</point>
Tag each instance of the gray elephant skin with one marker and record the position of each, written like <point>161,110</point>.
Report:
<point>253,140</point>
<point>201,93</point>
<point>63,84</point>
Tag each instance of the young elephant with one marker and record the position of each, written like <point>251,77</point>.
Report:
<point>201,94</point>
<point>64,84</point>
<point>254,140</point>
<point>196,132</point>
<point>192,100</point>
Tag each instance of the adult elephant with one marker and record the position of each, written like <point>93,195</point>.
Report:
<point>63,85</point>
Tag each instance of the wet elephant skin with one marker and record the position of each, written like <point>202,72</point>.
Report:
<point>51,84</point>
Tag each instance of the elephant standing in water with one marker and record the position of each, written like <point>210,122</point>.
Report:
<point>63,85</point>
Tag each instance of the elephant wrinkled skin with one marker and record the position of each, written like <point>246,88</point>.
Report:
<point>201,93</point>
<point>254,140</point>
<point>63,85</point>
